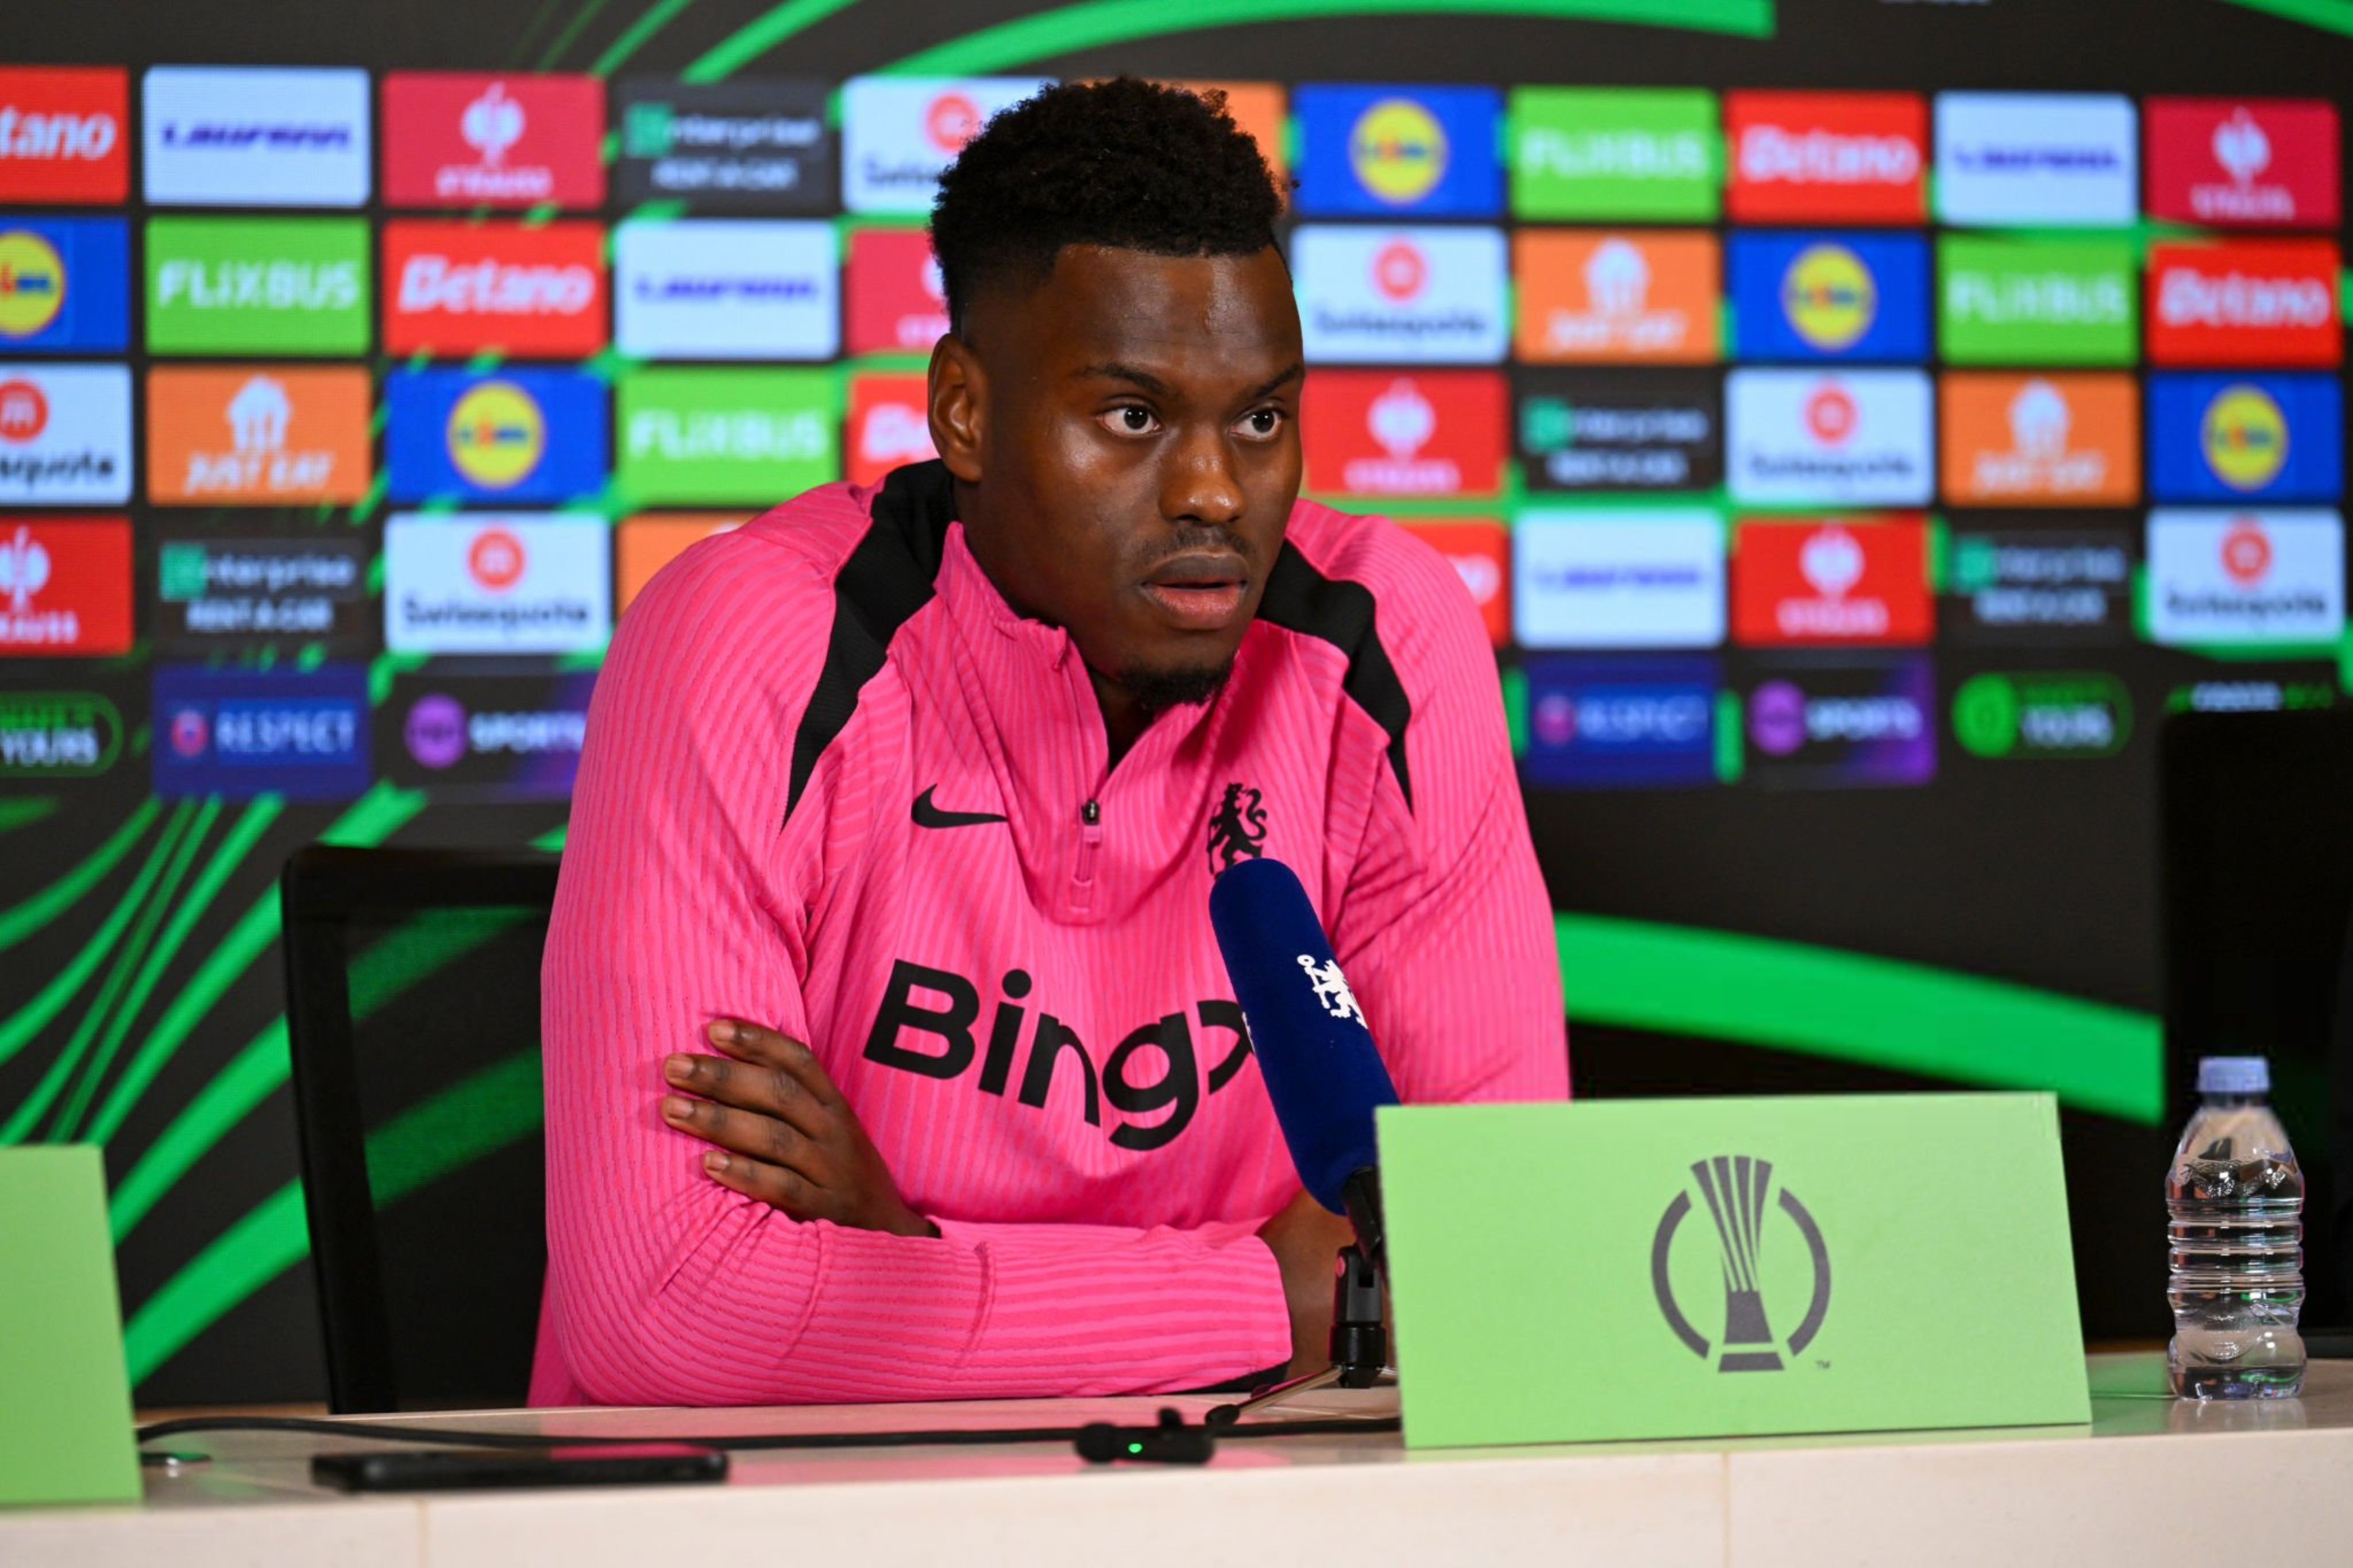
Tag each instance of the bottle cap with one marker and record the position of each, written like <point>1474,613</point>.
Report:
<point>2234,1074</point>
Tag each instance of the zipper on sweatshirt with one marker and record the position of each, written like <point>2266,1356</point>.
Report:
<point>1090,836</point>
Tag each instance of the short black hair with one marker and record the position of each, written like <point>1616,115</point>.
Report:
<point>1128,164</point>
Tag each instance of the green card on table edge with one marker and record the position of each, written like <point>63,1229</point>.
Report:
<point>1613,1269</point>
<point>65,1393</point>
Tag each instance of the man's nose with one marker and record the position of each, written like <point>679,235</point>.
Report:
<point>1201,481</point>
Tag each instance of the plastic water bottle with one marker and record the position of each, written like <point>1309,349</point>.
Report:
<point>2237,1242</point>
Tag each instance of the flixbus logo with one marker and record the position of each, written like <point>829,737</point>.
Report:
<point>926,1024</point>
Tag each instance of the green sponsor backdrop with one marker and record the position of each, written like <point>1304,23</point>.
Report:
<point>1643,155</point>
<point>261,286</point>
<point>2037,301</point>
<point>719,436</point>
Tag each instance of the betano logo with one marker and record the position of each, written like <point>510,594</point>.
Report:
<point>890,426</point>
<point>2244,438</point>
<point>63,134</point>
<point>1399,151</point>
<point>277,436</point>
<point>1829,295</point>
<point>463,288</point>
<point>1617,297</point>
<point>1827,157</point>
<point>2254,302</point>
<point>32,283</point>
<point>496,435</point>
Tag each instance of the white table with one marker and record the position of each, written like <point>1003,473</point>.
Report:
<point>2120,1490</point>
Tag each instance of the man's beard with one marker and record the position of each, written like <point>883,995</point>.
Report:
<point>1157,690</point>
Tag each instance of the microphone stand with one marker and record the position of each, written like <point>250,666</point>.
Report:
<point>1359,1346</point>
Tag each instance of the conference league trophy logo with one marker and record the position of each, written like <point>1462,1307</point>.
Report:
<point>1733,1190</point>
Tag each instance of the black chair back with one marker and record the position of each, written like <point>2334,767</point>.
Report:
<point>412,1012</point>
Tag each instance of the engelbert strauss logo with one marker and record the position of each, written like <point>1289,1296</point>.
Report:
<point>1734,1189</point>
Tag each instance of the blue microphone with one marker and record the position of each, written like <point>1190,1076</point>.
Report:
<point>1314,1050</point>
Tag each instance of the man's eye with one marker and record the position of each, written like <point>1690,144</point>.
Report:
<point>1131,419</point>
<point>1262,422</point>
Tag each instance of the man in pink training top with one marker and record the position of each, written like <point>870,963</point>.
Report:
<point>889,1055</point>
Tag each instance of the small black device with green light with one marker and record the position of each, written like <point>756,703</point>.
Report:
<point>1170,1443</point>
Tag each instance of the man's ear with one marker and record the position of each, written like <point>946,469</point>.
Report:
<point>958,394</point>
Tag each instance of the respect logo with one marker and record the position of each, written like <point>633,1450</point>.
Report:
<point>273,286</point>
<point>239,733</point>
<point>258,435</point>
<point>64,135</point>
<point>1616,722</point>
<point>2064,440</point>
<point>2244,164</point>
<point>1641,154</point>
<point>1436,433</point>
<point>1634,297</point>
<point>476,139</point>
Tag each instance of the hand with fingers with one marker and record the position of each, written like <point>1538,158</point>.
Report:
<point>784,1133</point>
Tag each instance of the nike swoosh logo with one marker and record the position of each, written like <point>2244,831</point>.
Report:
<point>930,815</point>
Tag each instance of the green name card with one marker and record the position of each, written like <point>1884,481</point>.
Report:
<point>268,286</point>
<point>65,1393</point>
<point>2037,301</point>
<point>1730,1267</point>
<point>1616,154</point>
<point>747,437</point>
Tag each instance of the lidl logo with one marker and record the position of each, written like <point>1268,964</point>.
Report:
<point>64,587</point>
<point>2037,301</point>
<point>2245,437</point>
<point>899,132</point>
<point>1850,438</point>
<point>65,283</point>
<point>502,288</point>
<point>752,438</point>
<point>1633,297</point>
<point>513,435</point>
<point>1374,433</point>
<point>65,135</point>
<point>897,303</point>
<point>1414,296</point>
<point>268,286</point>
<point>258,435</point>
<point>1850,297</point>
<point>1827,157</point>
<point>1616,154</point>
<point>2049,440</point>
<point>2245,577</point>
<point>2244,163</point>
<point>2255,302</point>
<point>1831,583</point>
<point>458,138</point>
<point>1391,152</point>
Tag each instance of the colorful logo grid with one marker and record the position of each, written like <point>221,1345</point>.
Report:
<point>1753,422</point>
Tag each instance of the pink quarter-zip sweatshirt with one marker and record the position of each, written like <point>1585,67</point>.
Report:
<point>836,785</point>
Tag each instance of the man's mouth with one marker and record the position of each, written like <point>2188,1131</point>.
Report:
<point>1200,592</point>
